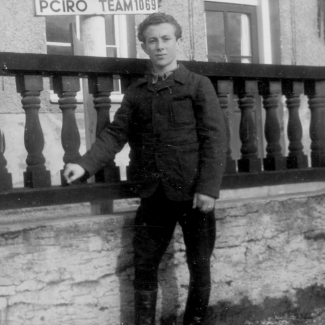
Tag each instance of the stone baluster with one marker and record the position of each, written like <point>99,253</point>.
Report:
<point>100,87</point>
<point>296,158</point>
<point>66,87</point>
<point>249,162</point>
<point>36,174</point>
<point>223,88</point>
<point>5,177</point>
<point>270,91</point>
<point>316,95</point>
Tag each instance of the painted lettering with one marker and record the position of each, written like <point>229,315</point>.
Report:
<point>70,5</point>
<point>43,5</point>
<point>82,7</point>
<point>128,6</point>
<point>110,5</point>
<point>118,6</point>
<point>51,5</point>
<point>83,3</point>
<point>102,2</point>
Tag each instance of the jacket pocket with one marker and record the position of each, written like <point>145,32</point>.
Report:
<point>189,164</point>
<point>182,112</point>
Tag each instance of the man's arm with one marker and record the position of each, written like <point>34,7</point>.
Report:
<point>110,141</point>
<point>211,131</point>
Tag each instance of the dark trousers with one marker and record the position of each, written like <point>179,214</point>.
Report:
<point>155,223</point>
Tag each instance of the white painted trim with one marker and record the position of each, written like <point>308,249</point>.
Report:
<point>238,2</point>
<point>122,37</point>
<point>58,44</point>
<point>264,32</point>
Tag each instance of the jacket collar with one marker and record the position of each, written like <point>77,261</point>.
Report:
<point>180,75</point>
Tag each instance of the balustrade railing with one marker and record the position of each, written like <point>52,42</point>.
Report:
<point>245,81</point>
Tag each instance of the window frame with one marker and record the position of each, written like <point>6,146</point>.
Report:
<point>121,46</point>
<point>245,9</point>
<point>269,47</point>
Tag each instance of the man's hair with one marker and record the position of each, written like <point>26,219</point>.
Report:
<point>156,19</point>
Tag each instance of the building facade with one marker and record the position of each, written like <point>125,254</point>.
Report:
<point>247,31</point>
<point>61,265</point>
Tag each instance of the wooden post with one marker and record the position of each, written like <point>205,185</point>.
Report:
<point>315,90</point>
<point>249,162</point>
<point>66,87</point>
<point>30,88</point>
<point>296,158</point>
<point>270,91</point>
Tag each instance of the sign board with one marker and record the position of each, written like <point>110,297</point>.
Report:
<point>94,7</point>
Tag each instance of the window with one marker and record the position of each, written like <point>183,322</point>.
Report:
<point>120,40</point>
<point>231,33</point>
<point>119,29</point>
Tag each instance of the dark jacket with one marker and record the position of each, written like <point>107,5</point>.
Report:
<point>176,133</point>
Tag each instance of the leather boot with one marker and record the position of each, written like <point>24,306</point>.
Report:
<point>145,307</point>
<point>196,306</point>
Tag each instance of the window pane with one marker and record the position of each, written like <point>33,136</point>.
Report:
<point>111,52</point>
<point>57,28</point>
<point>239,43</point>
<point>215,36</point>
<point>110,30</point>
<point>54,49</point>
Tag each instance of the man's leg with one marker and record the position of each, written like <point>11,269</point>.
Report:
<point>154,227</point>
<point>199,231</point>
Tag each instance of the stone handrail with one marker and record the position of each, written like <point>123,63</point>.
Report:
<point>245,81</point>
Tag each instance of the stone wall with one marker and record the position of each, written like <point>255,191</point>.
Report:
<point>62,266</point>
<point>22,32</point>
<point>300,43</point>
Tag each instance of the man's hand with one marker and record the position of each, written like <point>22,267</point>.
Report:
<point>204,202</point>
<point>73,172</point>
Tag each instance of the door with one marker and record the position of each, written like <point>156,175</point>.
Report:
<point>232,37</point>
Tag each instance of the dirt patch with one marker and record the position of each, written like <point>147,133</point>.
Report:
<point>309,309</point>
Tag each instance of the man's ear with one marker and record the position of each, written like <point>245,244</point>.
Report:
<point>143,46</point>
<point>179,43</point>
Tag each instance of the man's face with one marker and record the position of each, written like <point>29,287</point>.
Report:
<point>161,46</point>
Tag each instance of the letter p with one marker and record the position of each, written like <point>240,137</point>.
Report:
<point>43,4</point>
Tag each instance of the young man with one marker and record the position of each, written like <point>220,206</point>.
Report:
<point>175,128</point>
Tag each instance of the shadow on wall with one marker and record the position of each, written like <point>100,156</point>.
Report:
<point>309,302</point>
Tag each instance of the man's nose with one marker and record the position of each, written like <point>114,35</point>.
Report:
<point>160,44</point>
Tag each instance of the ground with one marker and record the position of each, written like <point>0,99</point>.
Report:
<point>308,309</point>
<point>317,317</point>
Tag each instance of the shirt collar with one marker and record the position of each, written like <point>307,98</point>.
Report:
<point>155,77</point>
